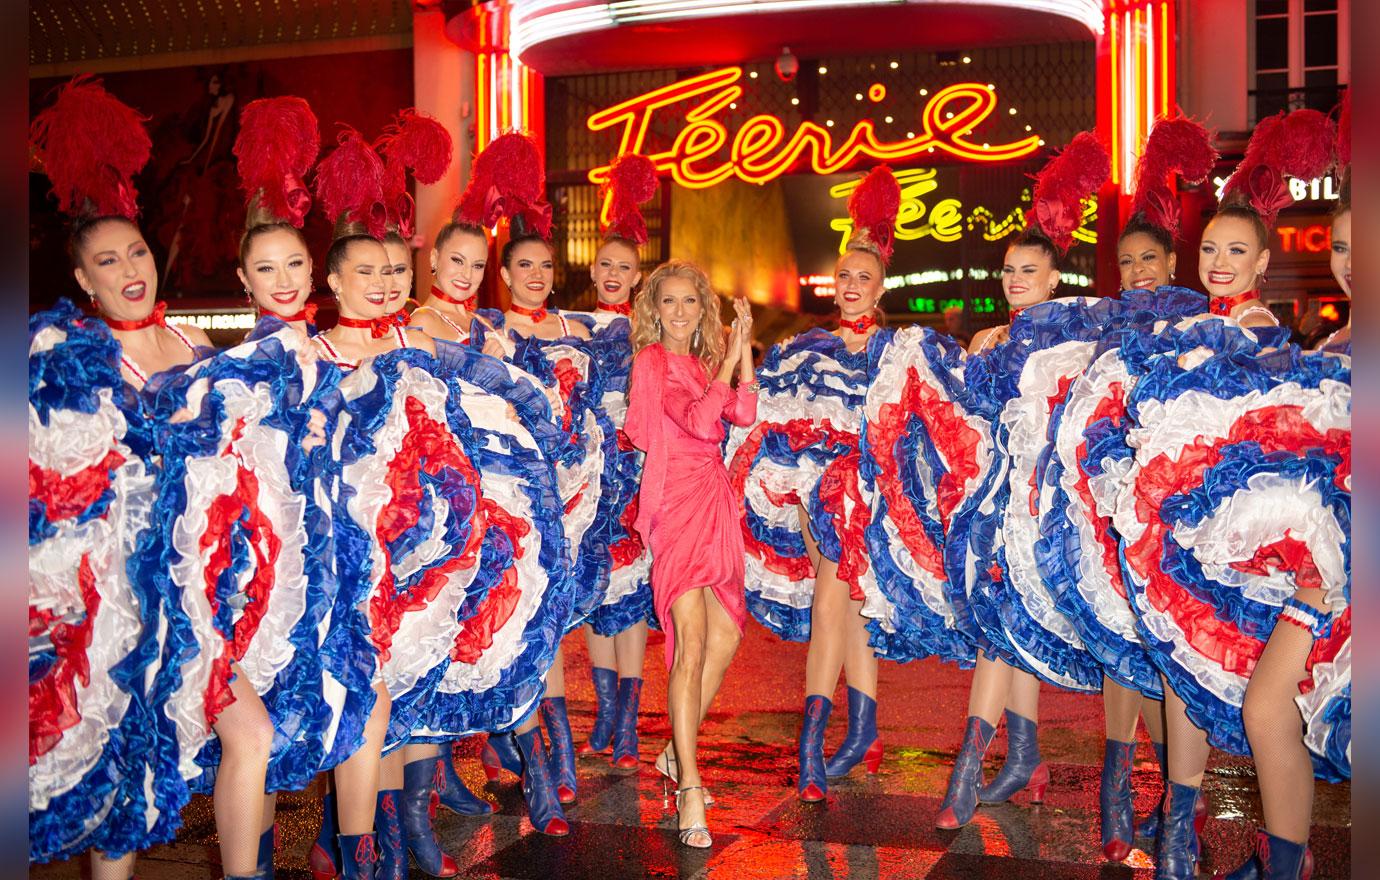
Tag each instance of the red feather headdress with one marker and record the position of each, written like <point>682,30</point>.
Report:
<point>1062,185</point>
<point>278,143</point>
<point>90,146</point>
<point>632,181</point>
<point>416,143</point>
<point>349,184</point>
<point>1176,146</point>
<point>1344,148</point>
<point>873,206</point>
<point>507,180</point>
<point>1298,144</point>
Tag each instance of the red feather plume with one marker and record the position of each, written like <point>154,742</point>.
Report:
<point>1298,144</point>
<point>632,181</point>
<point>91,145</point>
<point>417,143</point>
<point>874,206</point>
<point>1062,185</point>
<point>1176,146</point>
<point>507,180</point>
<point>277,145</point>
<point>349,183</point>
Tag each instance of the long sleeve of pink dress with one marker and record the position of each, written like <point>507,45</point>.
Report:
<point>687,512</point>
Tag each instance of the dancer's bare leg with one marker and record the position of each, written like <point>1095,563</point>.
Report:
<point>391,771</point>
<point>859,660</point>
<point>555,676</point>
<point>602,654</point>
<point>630,650</point>
<point>1283,768</point>
<point>246,738</point>
<point>1121,706</point>
<point>357,778</point>
<point>829,611</point>
<point>103,868</point>
<point>987,696</point>
<point>1186,744</point>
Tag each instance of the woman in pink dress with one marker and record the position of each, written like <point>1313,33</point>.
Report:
<point>687,512</point>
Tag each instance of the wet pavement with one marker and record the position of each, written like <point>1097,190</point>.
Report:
<point>870,827</point>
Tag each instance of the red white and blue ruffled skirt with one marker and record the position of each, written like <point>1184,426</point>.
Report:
<point>1238,494</point>
<point>802,452</point>
<point>103,774</point>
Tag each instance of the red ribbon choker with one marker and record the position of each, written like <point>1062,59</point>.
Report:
<point>377,327</point>
<point>1013,311</point>
<point>623,308</point>
<point>1222,305</point>
<point>307,314</point>
<point>860,326</point>
<point>154,317</point>
<point>467,303</point>
<point>537,315</point>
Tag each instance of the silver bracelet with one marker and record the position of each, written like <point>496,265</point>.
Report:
<point>755,387</point>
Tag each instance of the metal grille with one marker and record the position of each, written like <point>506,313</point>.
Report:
<point>76,30</point>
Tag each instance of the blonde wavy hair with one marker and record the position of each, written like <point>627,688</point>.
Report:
<point>646,326</point>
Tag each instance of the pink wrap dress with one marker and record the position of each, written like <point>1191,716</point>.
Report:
<point>687,512</point>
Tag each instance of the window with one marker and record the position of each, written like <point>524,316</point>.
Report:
<point>1300,54</point>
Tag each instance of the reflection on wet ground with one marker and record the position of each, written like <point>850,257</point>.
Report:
<point>870,827</point>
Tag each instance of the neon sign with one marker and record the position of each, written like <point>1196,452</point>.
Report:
<point>945,220</point>
<point>822,286</point>
<point>1305,239</point>
<point>230,319</point>
<point>1319,189</point>
<point>761,150</point>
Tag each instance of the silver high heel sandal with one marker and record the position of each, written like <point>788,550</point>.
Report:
<point>686,834</point>
<point>671,772</point>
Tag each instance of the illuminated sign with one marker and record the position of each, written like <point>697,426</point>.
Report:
<point>761,150</point>
<point>944,219</point>
<point>1319,189</point>
<point>540,21</point>
<point>1313,239</point>
<point>822,286</point>
<point>1139,68</point>
<point>236,319</point>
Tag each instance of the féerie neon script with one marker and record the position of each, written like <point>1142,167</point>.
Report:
<point>761,151</point>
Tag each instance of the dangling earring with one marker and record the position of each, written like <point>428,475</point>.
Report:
<point>696,338</point>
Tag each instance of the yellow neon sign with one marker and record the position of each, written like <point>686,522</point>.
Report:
<point>945,220</point>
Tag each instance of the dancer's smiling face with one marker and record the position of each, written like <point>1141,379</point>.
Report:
<point>859,283</point>
<point>615,272</point>
<point>359,282</point>
<point>1143,262</point>
<point>530,273</point>
<point>116,267</point>
<point>277,271</point>
<point>1028,275</point>
<point>458,263</point>
<point>1231,257</point>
